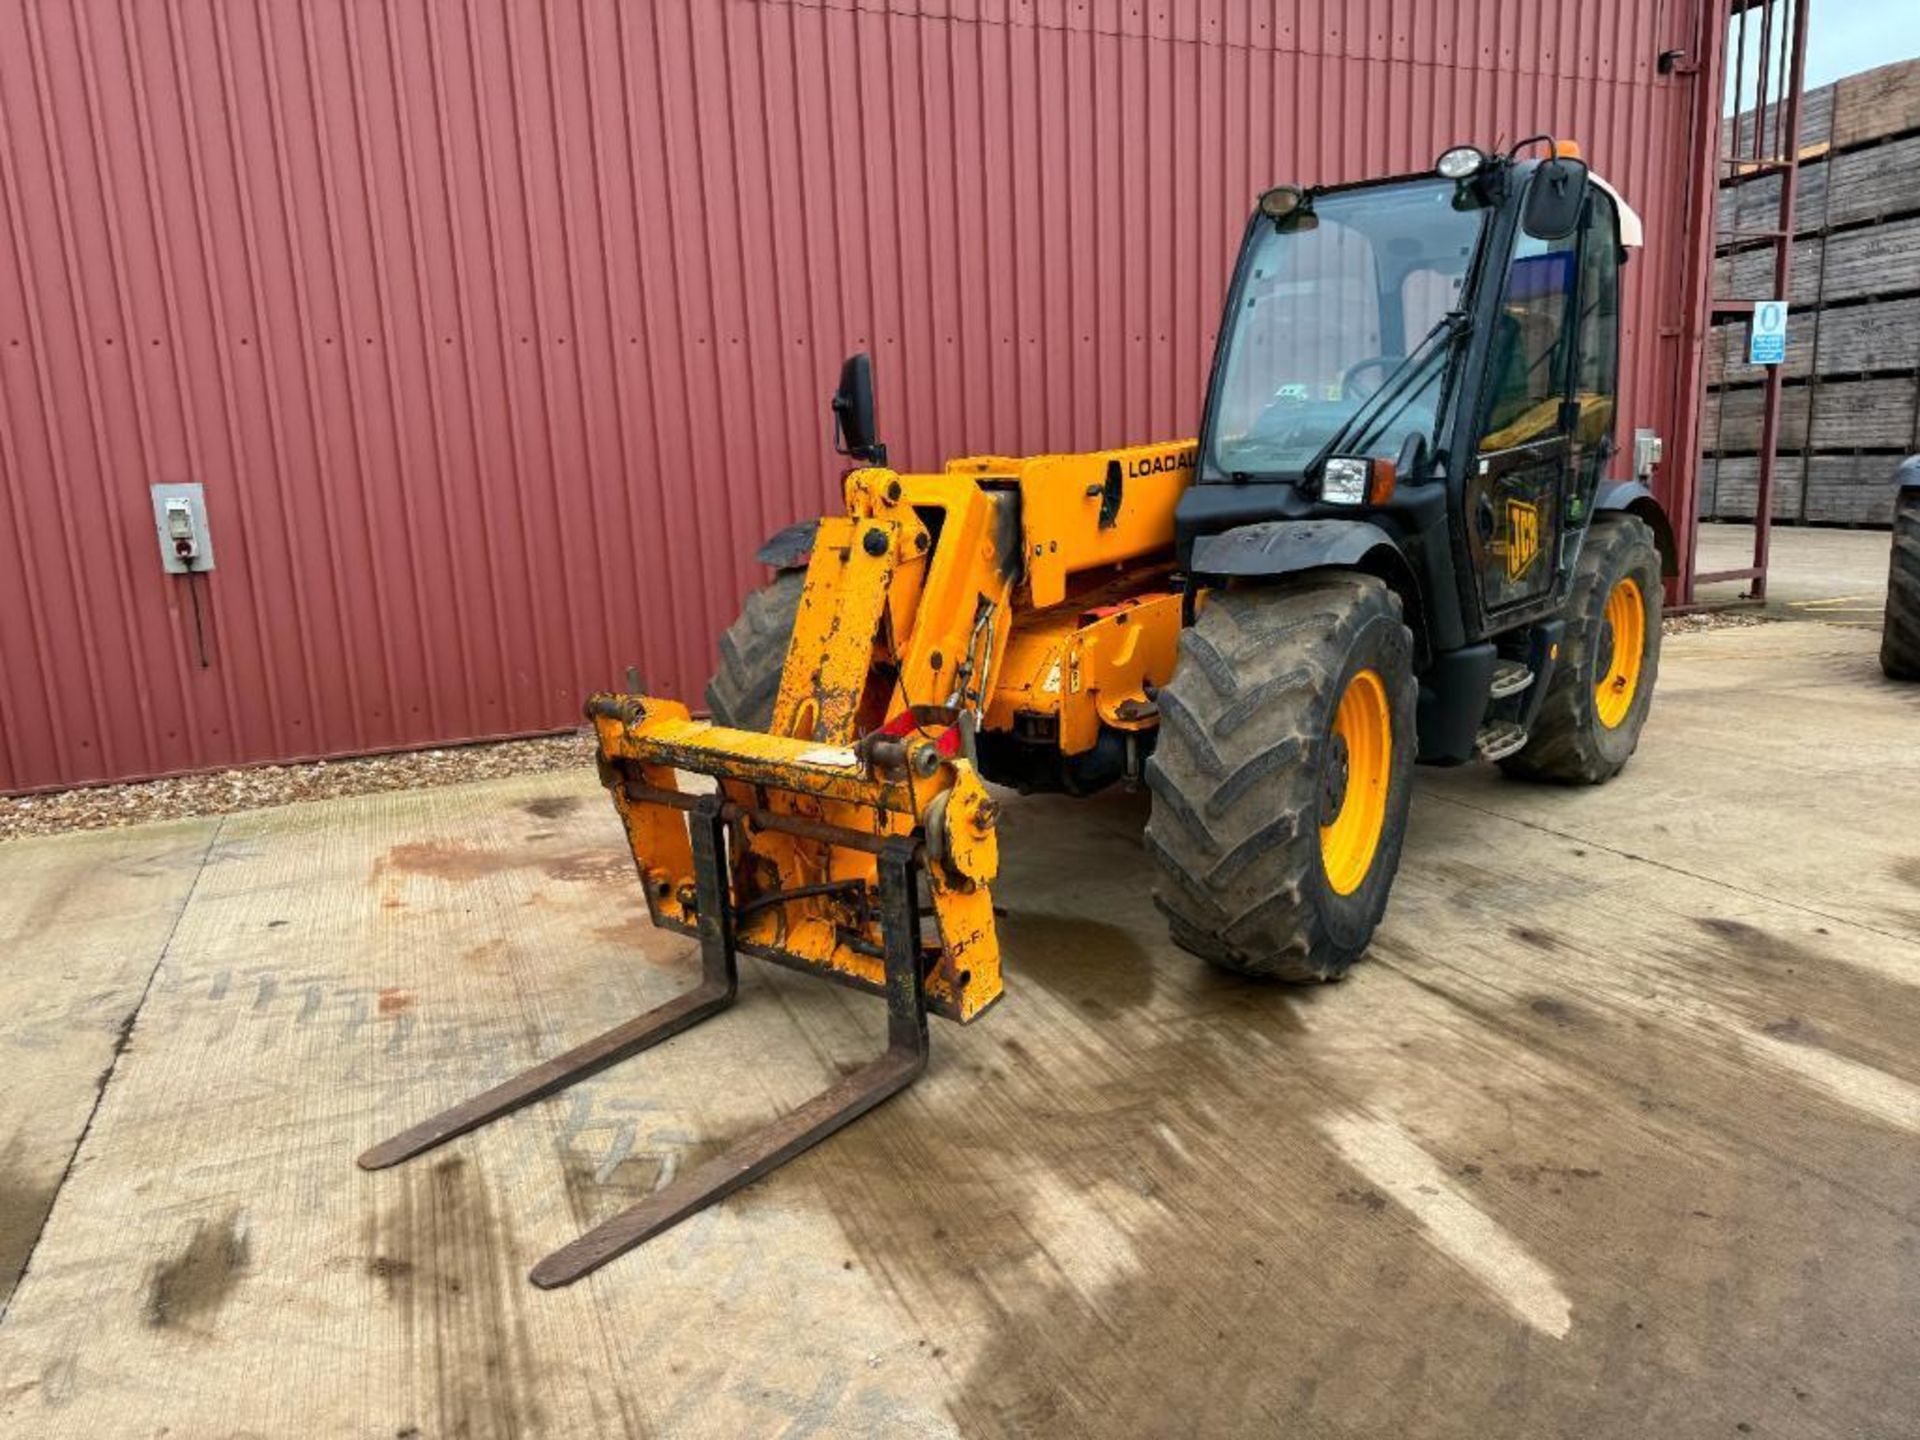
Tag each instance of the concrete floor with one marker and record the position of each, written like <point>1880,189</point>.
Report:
<point>1813,573</point>
<point>1616,1134</point>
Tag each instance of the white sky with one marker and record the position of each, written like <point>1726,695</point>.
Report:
<point>1844,37</point>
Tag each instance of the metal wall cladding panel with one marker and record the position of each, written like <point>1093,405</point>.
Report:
<point>499,333</point>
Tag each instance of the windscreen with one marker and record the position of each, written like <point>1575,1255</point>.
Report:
<point>1332,305</point>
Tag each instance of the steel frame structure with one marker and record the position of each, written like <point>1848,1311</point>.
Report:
<point>1769,144</point>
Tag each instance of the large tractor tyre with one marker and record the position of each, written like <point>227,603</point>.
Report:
<point>1281,776</point>
<point>1602,686</point>
<point>753,652</point>
<point>1900,639</point>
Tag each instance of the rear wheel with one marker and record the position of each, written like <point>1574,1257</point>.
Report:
<point>1900,639</point>
<point>1602,685</point>
<point>1281,776</point>
<point>753,652</point>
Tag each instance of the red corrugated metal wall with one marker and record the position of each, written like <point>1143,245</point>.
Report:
<point>499,332</point>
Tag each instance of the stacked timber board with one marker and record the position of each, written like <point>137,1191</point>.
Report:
<point>1850,399</point>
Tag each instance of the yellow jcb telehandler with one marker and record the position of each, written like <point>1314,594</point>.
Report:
<point>1394,539</point>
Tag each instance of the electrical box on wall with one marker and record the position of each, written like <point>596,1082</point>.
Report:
<point>180,517</point>
<point>1648,450</point>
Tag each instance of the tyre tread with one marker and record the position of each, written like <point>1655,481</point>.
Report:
<point>1234,830</point>
<point>753,652</point>
<point>1563,745</point>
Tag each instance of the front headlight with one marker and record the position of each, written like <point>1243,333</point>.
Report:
<point>1353,480</point>
<point>1460,162</point>
<point>1281,201</point>
<point>1344,481</point>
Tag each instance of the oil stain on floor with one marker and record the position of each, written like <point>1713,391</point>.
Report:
<point>24,1206</point>
<point>447,1260</point>
<point>460,863</point>
<point>193,1285</point>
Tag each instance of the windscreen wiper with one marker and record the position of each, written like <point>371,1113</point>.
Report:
<point>1420,379</point>
<point>1449,325</point>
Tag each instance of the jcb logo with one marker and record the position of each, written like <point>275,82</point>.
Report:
<point>1523,537</point>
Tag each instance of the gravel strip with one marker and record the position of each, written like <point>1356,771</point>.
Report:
<point>109,807</point>
<point>1713,620</point>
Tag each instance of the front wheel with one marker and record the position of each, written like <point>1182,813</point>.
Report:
<point>1601,688</point>
<point>1282,774</point>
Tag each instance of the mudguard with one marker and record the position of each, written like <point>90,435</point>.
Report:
<point>1283,547</point>
<point>1269,549</point>
<point>789,549</point>
<point>1636,499</point>
<point>1906,475</point>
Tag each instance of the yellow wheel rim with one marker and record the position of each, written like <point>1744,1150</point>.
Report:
<point>1354,814</point>
<point>1613,690</point>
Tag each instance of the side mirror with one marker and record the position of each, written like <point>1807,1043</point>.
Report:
<point>853,421</point>
<point>1555,198</point>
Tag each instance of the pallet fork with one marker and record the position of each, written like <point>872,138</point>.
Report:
<point>767,1148</point>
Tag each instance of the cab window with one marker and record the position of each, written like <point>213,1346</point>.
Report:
<point>1597,373</point>
<point>1527,373</point>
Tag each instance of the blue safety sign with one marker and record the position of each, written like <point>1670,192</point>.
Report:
<point>1767,340</point>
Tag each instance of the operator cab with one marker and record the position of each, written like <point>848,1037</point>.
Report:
<point>1437,355</point>
<point>1337,292</point>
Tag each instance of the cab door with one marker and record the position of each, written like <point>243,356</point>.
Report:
<point>1544,429</point>
<point>1596,358</point>
<point>1521,477</point>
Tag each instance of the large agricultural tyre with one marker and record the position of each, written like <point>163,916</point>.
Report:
<point>753,652</point>
<point>1601,687</point>
<point>1900,638</point>
<point>1282,774</point>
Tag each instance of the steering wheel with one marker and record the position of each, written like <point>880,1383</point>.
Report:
<point>1385,364</point>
